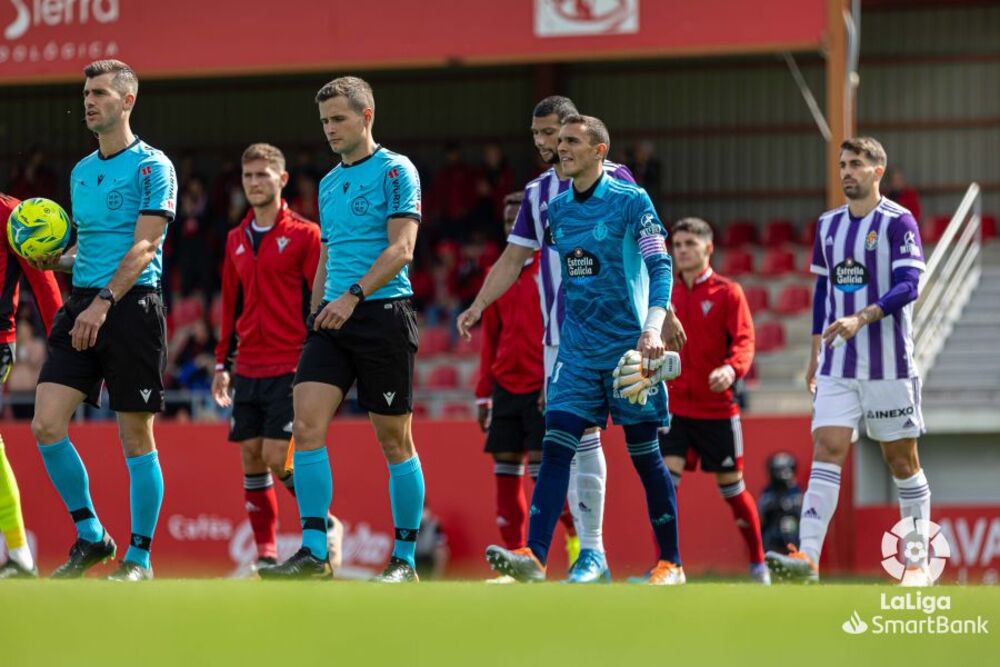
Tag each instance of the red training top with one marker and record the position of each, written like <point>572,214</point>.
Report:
<point>43,283</point>
<point>716,318</point>
<point>266,295</point>
<point>511,355</point>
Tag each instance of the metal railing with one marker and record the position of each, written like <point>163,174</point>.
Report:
<point>953,272</point>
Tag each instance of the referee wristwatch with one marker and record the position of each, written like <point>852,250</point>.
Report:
<point>107,295</point>
<point>358,291</point>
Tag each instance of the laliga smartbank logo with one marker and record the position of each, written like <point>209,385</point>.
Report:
<point>914,553</point>
<point>30,13</point>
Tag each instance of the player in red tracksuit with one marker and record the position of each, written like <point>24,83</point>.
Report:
<point>267,275</point>
<point>19,563</point>
<point>705,421</point>
<point>511,377</point>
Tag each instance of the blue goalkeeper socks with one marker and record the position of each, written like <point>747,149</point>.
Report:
<point>69,476</point>
<point>145,500</point>
<point>406,494</point>
<point>562,436</point>
<point>661,500</point>
<point>314,493</point>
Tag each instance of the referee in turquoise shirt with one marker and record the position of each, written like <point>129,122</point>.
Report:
<point>362,329</point>
<point>111,329</point>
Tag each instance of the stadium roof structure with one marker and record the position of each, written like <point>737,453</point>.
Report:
<point>52,40</point>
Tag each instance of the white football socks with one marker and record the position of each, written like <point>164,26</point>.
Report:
<point>818,506</point>
<point>591,484</point>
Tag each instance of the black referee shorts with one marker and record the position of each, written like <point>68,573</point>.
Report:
<point>717,443</point>
<point>516,423</point>
<point>376,347</point>
<point>262,408</point>
<point>130,354</point>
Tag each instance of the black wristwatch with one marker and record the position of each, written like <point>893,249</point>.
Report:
<point>357,291</point>
<point>107,295</point>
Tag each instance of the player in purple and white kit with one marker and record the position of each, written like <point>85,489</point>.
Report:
<point>588,472</point>
<point>867,259</point>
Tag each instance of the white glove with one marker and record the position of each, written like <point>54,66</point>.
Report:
<point>631,384</point>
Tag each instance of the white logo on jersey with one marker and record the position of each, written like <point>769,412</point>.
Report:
<point>240,250</point>
<point>909,246</point>
<point>829,240</point>
<point>389,396</point>
<point>544,207</point>
<point>146,393</point>
<point>705,307</point>
<point>282,243</point>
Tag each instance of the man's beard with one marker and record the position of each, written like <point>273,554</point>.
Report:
<point>554,159</point>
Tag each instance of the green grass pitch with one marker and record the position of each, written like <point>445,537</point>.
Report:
<point>215,622</point>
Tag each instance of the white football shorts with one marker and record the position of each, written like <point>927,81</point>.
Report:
<point>890,408</point>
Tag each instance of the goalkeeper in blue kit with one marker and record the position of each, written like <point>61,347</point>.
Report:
<point>617,279</point>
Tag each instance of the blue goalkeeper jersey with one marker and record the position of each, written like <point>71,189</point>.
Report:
<point>108,195</point>
<point>355,204</point>
<point>614,262</point>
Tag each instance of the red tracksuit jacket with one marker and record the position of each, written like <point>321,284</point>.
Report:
<point>266,295</point>
<point>12,266</point>
<point>511,355</point>
<point>716,318</point>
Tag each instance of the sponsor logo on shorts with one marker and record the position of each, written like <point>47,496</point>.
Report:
<point>287,428</point>
<point>582,264</point>
<point>145,393</point>
<point>890,414</point>
<point>811,513</point>
<point>389,396</point>
<point>850,276</point>
<point>728,462</point>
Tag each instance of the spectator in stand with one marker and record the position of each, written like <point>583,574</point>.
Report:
<point>191,362</point>
<point>494,180</point>
<point>452,197</point>
<point>192,241</point>
<point>780,503</point>
<point>475,259</point>
<point>902,192</point>
<point>306,200</point>
<point>34,178</point>
<point>28,359</point>
<point>647,169</point>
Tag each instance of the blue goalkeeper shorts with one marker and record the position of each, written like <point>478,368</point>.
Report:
<point>588,393</point>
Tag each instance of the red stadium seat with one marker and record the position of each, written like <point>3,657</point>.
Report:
<point>434,341</point>
<point>793,299</point>
<point>988,221</point>
<point>739,233</point>
<point>778,262</point>
<point>187,311</point>
<point>456,410</point>
<point>933,230</point>
<point>770,336</point>
<point>807,237</point>
<point>444,376</point>
<point>469,348</point>
<point>778,232</point>
<point>757,298</point>
<point>737,263</point>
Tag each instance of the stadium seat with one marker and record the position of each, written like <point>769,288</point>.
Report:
<point>807,236</point>
<point>739,233</point>
<point>757,298</point>
<point>434,341</point>
<point>988,221</point>
<point>469,348</point>
<point>778,232</point>
<point>793,299</point>
<point>778,262</point>
<point>444,376</point>
<point>456,410</point>
<point>933,230</point>
<point>770,336</point>
<point>186,311</point>
<point>420,409</point>
<point>737,263</point>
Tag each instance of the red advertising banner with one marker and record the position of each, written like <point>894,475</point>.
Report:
<point>203,529</point>
<point>53,39</point>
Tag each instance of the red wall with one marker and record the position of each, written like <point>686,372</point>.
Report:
<point>203,526</point>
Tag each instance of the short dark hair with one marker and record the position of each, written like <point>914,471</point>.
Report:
<point>695,227</point>
<point>267,152</point>
<point>555,104</point>
<point>357,91</point>
<point>124,80</point>
<point>594,127</point>
<point>868,147</point>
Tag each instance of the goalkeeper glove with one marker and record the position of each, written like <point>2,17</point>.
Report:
<point>630,382</point>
